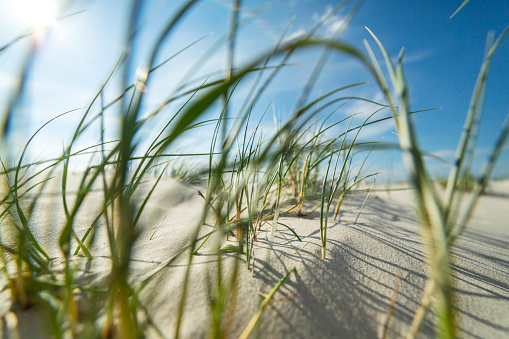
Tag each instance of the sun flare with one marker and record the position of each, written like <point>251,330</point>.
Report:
<point>34,13</point>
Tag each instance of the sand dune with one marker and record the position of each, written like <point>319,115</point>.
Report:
<point>346,295</point>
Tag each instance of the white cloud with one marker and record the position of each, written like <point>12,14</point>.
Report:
<point>377,130</point>
<point>334,24</point>
<point>449,154</point>
<point>366,108</point>
<point>417,56</point>
<point>328,11</point>
<point>297,34</point>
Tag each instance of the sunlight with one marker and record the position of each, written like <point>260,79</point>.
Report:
<point>141,78</point>
<point>35,13</point>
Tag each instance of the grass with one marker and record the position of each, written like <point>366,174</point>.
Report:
<point>252,179</point>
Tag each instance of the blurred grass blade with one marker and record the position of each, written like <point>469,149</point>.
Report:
<point>473,111</point>
<point>463,4</point>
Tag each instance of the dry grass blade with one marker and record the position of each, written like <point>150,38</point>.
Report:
<point>256,318</point>
<point>392,303</point>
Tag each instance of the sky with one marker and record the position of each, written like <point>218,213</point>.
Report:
<point>76,54</point>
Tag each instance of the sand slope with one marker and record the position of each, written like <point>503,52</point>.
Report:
<point>346,295</point>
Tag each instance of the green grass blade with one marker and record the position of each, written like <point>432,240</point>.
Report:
<point>291,230</point>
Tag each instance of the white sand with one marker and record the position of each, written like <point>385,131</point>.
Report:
<point>346,295</point>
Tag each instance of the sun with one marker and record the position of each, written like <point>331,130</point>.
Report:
<point>34,13</point>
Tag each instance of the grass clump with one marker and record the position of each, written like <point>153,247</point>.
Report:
<point>441,219</point>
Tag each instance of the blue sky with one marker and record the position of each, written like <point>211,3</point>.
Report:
<point>443,57</point>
